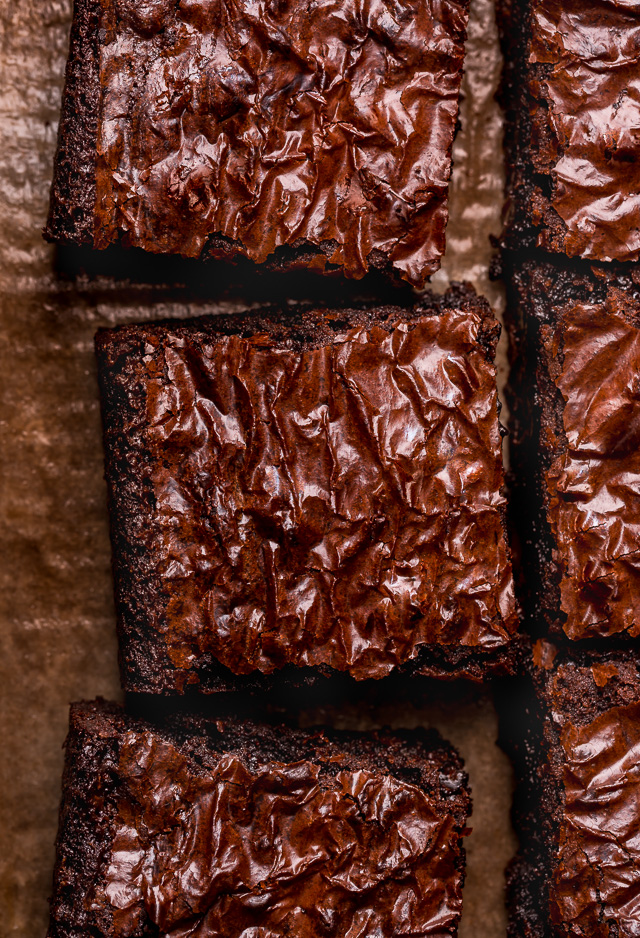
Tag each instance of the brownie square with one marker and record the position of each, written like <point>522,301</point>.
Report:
<point>573,119</point>
<point>307,492</point>
<point>304,134</point>
<point>235,829</point>
<point>575,451</point>
<point>578,803</point>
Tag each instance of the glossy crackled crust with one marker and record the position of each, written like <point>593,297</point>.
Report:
<point>574,410</point>
<point>150,646</point>
<point>117,807</point>
<point>577,803</point>
<point>569,89</point>
<point>312,136</point>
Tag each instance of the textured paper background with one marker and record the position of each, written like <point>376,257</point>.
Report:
<point>56,610</point>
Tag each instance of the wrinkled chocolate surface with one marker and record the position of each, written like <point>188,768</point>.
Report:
<point>597,877</point>
<point>279,849</point>
<point>588,101</point>
<point>328,124</point>
<point>337,505</point>
<point>594,486</point>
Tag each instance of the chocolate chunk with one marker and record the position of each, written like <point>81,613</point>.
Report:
<point>230,828</point>
<point>315,491</point>
<point>301,134</point>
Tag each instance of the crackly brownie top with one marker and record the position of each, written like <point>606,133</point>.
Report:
<point>586,129</point>
<point>336,503</point>
<point>283,123</point>
<point>594,486</point>
<point>219,845</point>
<point>595,712</point>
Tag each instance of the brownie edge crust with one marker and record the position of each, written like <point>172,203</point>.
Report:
<point>577,806</point>
<point>71,217</point>
<point>224,827</point>
<point>306,494</point>
<point>573,182</point>
<point>575,421</point>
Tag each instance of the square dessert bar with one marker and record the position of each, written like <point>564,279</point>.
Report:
<point>575,444</point>
<point>304,134</point>
<point>578,802</point>
<point>234,829</point>
<point>571,90</point>
<point>307,490</point>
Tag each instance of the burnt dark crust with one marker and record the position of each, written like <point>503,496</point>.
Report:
<point>71,217</point>
<point>144,662</point>
<point>88,812</point>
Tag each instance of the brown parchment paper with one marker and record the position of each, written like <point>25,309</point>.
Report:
<point>56,609</point>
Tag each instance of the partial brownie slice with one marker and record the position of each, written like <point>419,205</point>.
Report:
<point>573,119</point>
<point>301,134</point>
<point>231,829</point>
<point>575,401</point>
<point>307,490</point>
<point>578,804</point>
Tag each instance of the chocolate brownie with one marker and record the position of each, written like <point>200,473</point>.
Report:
<point>301,134</point>
<point>573,119</point>
<point>578,802</point>
<point>230,829</point>
<point>314,491</point>
<point>575,402</point>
